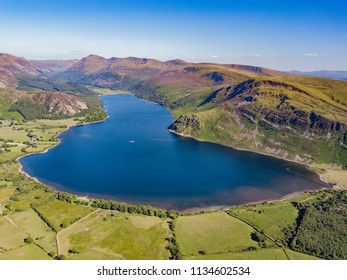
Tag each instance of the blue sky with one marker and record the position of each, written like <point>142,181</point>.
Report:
<point>284,35</point>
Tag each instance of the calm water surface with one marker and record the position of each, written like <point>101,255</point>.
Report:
<point>132,157</point>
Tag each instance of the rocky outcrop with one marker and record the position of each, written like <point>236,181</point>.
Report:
<point>184,122</point>
<point>48,105</point>
<point>58,103</point>
<point>191,69</point>
<point>217,77</point>
<point>319,122</point>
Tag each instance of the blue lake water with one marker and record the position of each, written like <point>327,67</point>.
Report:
<point>132,157</point>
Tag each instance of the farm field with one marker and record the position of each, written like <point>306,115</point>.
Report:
<point>272,217</point>
<point>28,221</point>
<point>212,233</point>
<point>261,254</point>
<point>61,214</point>
<point>26,252</point>
<point>112,234</point>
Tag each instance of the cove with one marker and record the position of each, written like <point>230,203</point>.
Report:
<point>132,157</point>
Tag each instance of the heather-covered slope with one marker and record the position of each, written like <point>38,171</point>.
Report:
<point>301,119</point>
<point>245,107</point>
<point>27,91</point>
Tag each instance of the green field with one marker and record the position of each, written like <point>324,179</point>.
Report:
<point>62,214</point>
<point>272,217</point>
<point>27,252</point>
<point>299,256</point>
<point>261,254</point>
<point>116,235</point>
<point>11,236</point>
<point>29,222</point>
<point>213,233</point>
<point>92,254</point>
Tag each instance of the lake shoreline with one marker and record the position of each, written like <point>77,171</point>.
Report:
<point>20,168</point>
<point>208,208</point>
<point>260,153</point>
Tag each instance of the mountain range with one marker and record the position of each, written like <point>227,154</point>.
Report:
<point>295,117</point>
<point>336,75</point>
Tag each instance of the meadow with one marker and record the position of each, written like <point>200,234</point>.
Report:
<point>212,233</point>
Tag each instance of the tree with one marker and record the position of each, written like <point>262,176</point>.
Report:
<point>60,257</point>
<point>29,240</point>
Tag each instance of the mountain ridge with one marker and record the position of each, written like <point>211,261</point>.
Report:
<point>246,107</point>
<point>328,74</point>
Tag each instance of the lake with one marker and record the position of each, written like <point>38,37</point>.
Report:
<point>132,157</point>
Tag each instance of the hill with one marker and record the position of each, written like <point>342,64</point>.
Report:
<point>48,105</point>
<point>11,66</point>
<point>253,108</point>
<point>27,91</point>
<point>51,67</point>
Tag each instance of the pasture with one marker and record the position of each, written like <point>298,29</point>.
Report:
<point>212,233</point>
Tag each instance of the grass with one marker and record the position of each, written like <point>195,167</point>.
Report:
<point>144,222</point>
<point>6,193</point>
<point>24,200</point>
<point>261,254</point>
<point>272,217</point>
<point>117,235</point>
<point>6,101</point>
<point>332,173</point>
<point>90,254</point>
<point>11,236</point>
<point>105,91</point>
<point>29,222</point>
<point>61,214</point>
<point>27,252</point>
<point>299,256</point>
<point>18,134</point>
<point>242,127</point>
<point>213,233</point>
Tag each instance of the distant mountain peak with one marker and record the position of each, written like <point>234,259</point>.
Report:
<point>328,74</point>
<point>175,62</point>
<point>11,66</point>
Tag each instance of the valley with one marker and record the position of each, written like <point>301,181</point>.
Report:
<point>301,119</point>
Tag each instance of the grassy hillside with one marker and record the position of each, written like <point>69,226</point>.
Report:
<point>20,105</point>
<point>296,118</point>
<point>252,108</point>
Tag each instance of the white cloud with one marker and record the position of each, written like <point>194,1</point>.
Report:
<point>214,56</point>
<point>257,55</point>
<point>311,54</point>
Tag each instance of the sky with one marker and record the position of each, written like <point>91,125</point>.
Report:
<point>283,35</point>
